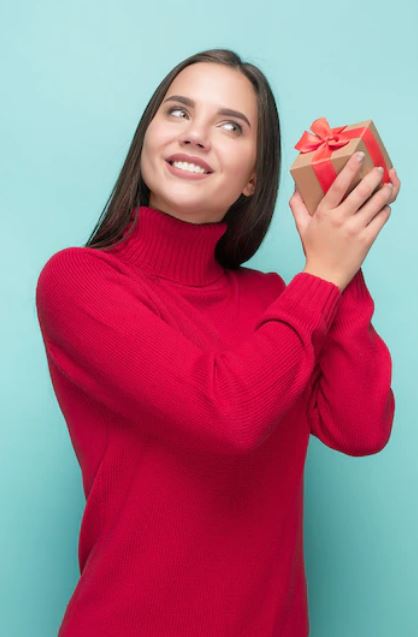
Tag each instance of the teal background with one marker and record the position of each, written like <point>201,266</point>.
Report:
<point>75,80</point>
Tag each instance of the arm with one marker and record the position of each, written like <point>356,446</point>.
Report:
<point>100,331</point>
<point>351,406</point>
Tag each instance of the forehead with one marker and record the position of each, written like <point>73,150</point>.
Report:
<point>217,85</point>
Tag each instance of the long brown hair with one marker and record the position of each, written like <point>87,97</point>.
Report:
<point>248,218</point>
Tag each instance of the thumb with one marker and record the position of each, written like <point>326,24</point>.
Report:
<point>299,211</point>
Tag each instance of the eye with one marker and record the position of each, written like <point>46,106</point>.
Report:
<point>176,108</point>
<point>238,127</point>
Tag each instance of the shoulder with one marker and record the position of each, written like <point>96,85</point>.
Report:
<point>74,262</point>
<point>76,257</point>
<point>79,275</point>
<point>79,284</point>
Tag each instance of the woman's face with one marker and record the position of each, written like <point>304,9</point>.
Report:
<point>226,142</point>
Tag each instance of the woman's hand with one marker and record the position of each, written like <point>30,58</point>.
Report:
<point>338,236</point>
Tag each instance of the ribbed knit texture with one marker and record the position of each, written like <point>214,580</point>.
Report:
<point>190,392</point>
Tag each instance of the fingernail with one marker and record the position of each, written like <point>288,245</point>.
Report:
<point>360,155</point>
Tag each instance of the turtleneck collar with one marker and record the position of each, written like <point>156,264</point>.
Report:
<point>172,248</point>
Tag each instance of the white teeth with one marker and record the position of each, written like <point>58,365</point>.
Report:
<point>190,167</point>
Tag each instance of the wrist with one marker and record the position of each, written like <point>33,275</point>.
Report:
<point>326,276</point>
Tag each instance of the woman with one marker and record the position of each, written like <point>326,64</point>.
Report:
<point>190,383</point>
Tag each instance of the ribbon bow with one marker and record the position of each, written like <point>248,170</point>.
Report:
<point>323,136</point>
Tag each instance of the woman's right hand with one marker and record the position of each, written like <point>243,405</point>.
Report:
<point>338,236</point>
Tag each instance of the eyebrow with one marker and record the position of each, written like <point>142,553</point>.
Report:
<point>222,111</point>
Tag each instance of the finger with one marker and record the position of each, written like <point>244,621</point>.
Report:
<point>394,175</point>
<point>299,210</point>
<point>341,183</point>
<point>373,206</point>
<point>394,180</point>
<point>376,224</point>
<point>396,184</point>
<point>363,192</point>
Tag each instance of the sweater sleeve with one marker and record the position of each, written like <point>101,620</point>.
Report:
<point>351,406</point>
<point>102,333</point>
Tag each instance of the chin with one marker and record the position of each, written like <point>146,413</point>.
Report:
<point>180,202</point>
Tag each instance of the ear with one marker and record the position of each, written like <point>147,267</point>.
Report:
<point>249,189</point>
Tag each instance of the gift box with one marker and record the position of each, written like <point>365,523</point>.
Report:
<point>324,151</point>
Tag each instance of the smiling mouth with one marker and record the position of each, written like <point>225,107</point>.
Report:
<point>207,172</point>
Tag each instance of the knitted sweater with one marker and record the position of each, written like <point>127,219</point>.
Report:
<point>189,392</point>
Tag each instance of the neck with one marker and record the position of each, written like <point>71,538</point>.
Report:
<point>172,248</point>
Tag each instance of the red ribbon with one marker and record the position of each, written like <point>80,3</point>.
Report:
<point>324,140</point>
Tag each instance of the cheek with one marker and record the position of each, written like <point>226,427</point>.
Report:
<point>241,164</point>
<point>147,161</point>
<point>156,137</point>
<point>149,141</point>
<point>151,152</point>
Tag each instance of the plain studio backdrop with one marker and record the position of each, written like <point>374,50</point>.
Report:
<point>75,78</point>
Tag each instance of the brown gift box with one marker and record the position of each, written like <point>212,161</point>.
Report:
<point>324,153</point>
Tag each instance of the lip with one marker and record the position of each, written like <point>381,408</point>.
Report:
<point>192,159</point>
<point>178,172</point>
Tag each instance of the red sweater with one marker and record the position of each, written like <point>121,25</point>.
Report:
<point>190,392</point>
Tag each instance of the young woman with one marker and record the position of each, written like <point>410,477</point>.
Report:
<point>190,383</point>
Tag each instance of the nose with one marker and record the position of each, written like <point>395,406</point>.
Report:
<point>196,137</point>
<point>194,143</point>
